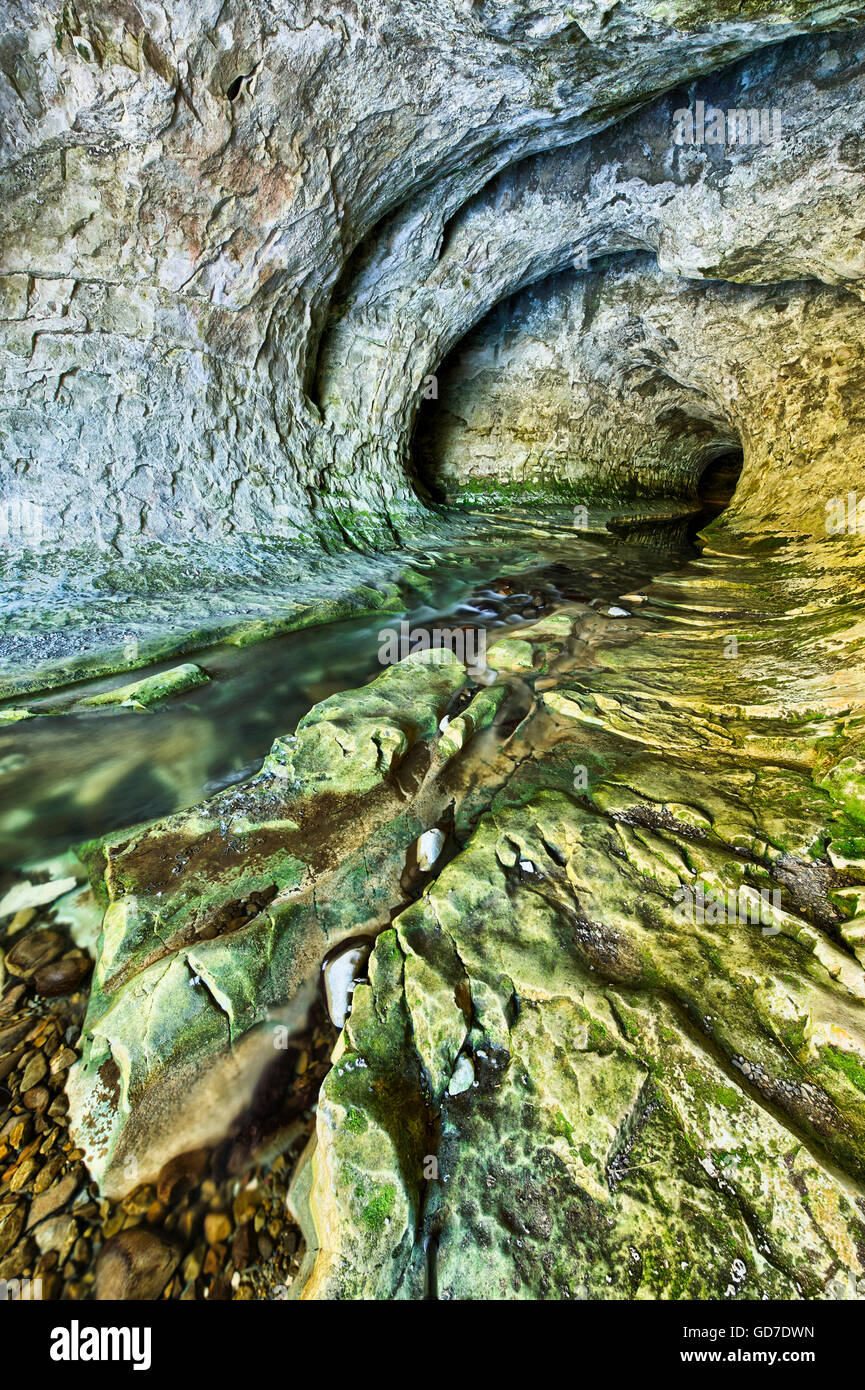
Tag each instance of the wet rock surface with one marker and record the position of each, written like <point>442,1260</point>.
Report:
<point>529,964</point>
<point>609,1039</point>
<point>213,1225</point>
<point>651,1100</point>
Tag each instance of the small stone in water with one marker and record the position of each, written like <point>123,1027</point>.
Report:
<point>463,1076</point>
<point>429,846</point>
<point>61,976</point>
<point>35,949</point>
<point>341,973</point>
<point>134,1264</point>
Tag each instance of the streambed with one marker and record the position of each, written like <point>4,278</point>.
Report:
<point>72,774</point>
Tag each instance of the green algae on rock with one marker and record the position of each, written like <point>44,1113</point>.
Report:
<point>660,1103</point>
<point>152,689</point>
<point>217,918</point>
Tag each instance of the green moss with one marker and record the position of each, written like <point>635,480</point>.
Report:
<point>563,1126</point>
<point>376,1212</point>
<point>847,1064</point>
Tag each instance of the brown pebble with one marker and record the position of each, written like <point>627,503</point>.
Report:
<point>81,1251</point>
<point>23,1173</point>
<point>22,919</point>
<point>134,1264</point>
<point>18,1130</point>
<point>52,1287</point>
<point>186,1223</point>
<point>19,1259</point>
<point>62,1060</point>
<point>194,1263</point>
<point>244,1247</point>
<point>53,1198</point>
<point>58,1232</point>
<point>11,1034</point>
<point>37,1098</point>
<point>137,1201</point>
<point>180,1174</point>
<point>217,1227</point>
<point>61,976</point>
<point>11,1001</point>
<point>35,949</point>
<point>11,1226</point>
<point>48,1173</point>
<point>9,1063</point>
<point>246,1203</point>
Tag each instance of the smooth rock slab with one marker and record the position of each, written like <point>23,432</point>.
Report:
<point>218,919</point>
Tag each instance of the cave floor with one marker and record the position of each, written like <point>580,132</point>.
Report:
<point>609,1041</point>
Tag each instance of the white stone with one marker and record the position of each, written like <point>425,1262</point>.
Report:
<point>341,973</point>
<point>463,1076</point>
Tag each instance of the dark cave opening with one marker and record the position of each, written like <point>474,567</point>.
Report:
<point>719,479</point>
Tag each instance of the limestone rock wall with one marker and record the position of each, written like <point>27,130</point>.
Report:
<point>183,190</point>
<point>631,374</point>
<point>765,214</point>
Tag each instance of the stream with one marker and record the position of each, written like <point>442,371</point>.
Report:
<point>71,775</point>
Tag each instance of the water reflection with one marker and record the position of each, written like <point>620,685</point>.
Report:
<point>73,776</point>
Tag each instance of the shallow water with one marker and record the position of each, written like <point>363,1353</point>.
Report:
<point>69,777</point>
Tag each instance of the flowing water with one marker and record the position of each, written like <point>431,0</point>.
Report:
<point>73,775</point>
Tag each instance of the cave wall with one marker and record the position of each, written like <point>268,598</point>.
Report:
<point>550,394</point>
<point>632,374</point>
<point>184,192</point>
<point>771,214</point>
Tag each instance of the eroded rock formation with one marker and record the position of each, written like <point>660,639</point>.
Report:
<point>281,282</point>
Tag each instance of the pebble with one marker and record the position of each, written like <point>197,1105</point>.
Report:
<point>57,1233</point>
<point>21,920</point>
<point>47,1174</point>
<point>11,1226</point>
<point>244,1247</point>
<point>34,1072</point>
<point>12,1000</point>
<point>62,1060</point>
<point>52,1198</point>
<point>217,1227</point>
<point>37,948</point>
<point>61,976</point>
<point>134,1264</point>
<point>23,1173</point>
<point>342,970</point>
<point>36,1098</point>
<point>428,847</point>
<point>180,1174</point>
<point>463,1076</point>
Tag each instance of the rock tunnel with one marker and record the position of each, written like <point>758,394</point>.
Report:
<point>431,664</point>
